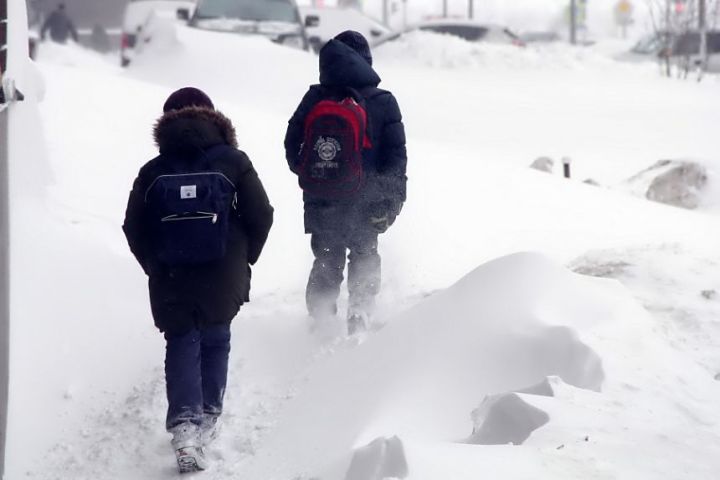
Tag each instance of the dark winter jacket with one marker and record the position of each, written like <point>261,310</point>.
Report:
<point>182,297</point>
<point>384,164</point>
<point>60,26</point>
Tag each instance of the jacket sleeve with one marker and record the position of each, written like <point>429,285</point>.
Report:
<point>296,128</point>
<point>135,225</point>
<point>255,211</point>
<point>392,153</point>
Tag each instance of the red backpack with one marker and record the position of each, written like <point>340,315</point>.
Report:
<point>331,164</point>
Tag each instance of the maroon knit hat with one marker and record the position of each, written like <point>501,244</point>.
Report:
<point>186,97</point>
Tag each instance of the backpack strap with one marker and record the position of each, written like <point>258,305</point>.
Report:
<point>214,152</point>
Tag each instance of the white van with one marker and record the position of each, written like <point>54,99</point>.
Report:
<point>279,20</point>
<point>324,23</point>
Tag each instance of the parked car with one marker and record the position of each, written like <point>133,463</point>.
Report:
<point>653,43</point>
<point>540,37</point>
<point>322,24</point>
<point>466,29</point>
<point>143,17</point>
<point>683,49</point>
<point>278,20</point>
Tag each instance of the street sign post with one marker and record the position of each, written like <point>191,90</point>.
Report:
<point>624,15</point>
<point>576,16</point>
<point>573,22</point>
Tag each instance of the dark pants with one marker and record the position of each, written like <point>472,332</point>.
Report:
<point>330,250</point>
<point>196,366</point>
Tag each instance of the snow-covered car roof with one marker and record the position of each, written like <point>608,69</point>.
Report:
<point>445,22</point>
<point>137,12</point>
<point>333,20</point>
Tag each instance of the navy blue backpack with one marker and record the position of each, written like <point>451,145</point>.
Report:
<point>189,213</point>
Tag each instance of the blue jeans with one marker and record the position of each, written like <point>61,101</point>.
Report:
<point>196,366</point>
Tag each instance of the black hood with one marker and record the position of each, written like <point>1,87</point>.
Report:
<point>341,66</point>
<point>191,129</point>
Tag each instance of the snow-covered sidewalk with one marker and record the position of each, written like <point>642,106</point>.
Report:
<point>630,359</point>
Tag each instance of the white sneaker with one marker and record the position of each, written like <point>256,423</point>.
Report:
<point>188,448</point>
<point>191,459</point>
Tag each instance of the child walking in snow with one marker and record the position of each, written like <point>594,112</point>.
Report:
<point>197,218</point>
<point>348,202</point>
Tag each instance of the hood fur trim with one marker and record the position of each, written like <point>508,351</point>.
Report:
<point>163,129</point>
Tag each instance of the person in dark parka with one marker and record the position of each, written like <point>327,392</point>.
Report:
<point>60,26</point>
<point>194,305</point>
<point>338,225</point>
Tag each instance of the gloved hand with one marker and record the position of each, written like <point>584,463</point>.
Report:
<point>381,215</point>
<point>380,224</point>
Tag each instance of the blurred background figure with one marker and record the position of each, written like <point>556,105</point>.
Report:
<point>59,25</point>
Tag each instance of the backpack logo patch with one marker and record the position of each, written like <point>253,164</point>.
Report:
<point>327,149</point>
<point>188,191</point>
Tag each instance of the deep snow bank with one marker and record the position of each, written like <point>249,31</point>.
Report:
<point>436,50</point>
<point>248,69</point>
<point>504,327</point>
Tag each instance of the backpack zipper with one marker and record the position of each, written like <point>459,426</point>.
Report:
<point>191,216</point>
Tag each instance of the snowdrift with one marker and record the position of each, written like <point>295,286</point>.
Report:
<point>248,69</point>
<point>434,50</point>
<point>682,183</point>
<point>505,327</point>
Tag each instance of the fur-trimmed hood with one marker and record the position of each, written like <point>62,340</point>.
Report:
<point>193,128</point>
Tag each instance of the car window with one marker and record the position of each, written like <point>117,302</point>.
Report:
<point>262,10</point>
<point>687,44</point>
<point>713,42</point>
<point>467,32</point>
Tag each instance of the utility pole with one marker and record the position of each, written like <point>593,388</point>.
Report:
<point>385,13</point>
<point>404,13</point>
<point>445,9</point>
<point>5,97</point>
<point>471,9</point>
<point>573,22</point>
<point>702,27</point>
<point>4,238</point>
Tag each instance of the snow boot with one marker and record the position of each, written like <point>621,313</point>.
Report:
<point>357,322</point>
<point>188,448</point>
